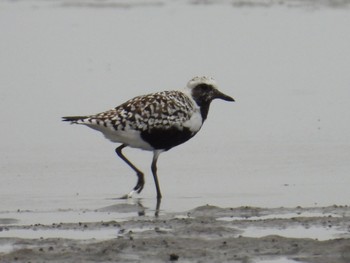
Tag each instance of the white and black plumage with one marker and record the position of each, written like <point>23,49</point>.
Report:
<point>156,122</point>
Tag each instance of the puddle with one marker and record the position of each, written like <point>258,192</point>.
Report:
<point>280,216</point>
<point>96,234</point>
<point>55,217</point>
<point>313,232</point>
<point>278,260</point>
<point>6,247</point>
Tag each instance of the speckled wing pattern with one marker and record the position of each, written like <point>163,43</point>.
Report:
<point>161,110</point>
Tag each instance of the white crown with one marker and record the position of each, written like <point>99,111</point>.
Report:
<point>201,80</point>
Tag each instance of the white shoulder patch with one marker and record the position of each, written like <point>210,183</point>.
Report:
<point>195,122</point>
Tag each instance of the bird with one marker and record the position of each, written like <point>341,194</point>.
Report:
<point>155,122</point>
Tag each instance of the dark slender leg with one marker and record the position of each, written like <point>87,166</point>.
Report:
<point>154,172</point>
<point>156,213</point>
<point>141,181</point>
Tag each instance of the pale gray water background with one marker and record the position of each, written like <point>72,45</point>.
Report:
<point>284,142</point>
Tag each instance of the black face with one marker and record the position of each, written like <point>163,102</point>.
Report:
<point>203,94</point>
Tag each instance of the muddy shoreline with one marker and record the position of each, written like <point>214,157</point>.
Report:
<point>204,234</point>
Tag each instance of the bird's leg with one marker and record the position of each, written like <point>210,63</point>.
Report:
<point>141,181</point>
<point>156,213</point>
<point>154,172</point>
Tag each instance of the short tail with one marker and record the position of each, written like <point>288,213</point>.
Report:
<point>74,119</point>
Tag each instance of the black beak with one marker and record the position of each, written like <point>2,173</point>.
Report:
<point>220,95</point>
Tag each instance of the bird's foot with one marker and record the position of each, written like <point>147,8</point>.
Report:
<point>139,186</point>
<point>129,195</point>
<point>137,189</point>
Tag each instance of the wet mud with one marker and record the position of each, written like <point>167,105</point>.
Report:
<point>204,234</point>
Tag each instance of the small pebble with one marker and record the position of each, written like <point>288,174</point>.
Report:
<point>174,257</point>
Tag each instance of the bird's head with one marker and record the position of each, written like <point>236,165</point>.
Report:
<point>204,90</point>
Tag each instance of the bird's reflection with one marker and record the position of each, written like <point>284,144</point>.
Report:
<point>142,211</point>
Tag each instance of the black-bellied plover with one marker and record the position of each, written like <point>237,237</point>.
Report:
<point>156,122</point>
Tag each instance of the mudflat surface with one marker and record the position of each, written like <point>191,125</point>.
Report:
<point>203,234</point>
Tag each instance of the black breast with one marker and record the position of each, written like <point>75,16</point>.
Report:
<point>165,139</point>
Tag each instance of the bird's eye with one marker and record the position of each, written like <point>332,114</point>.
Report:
<point>203,87</point>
